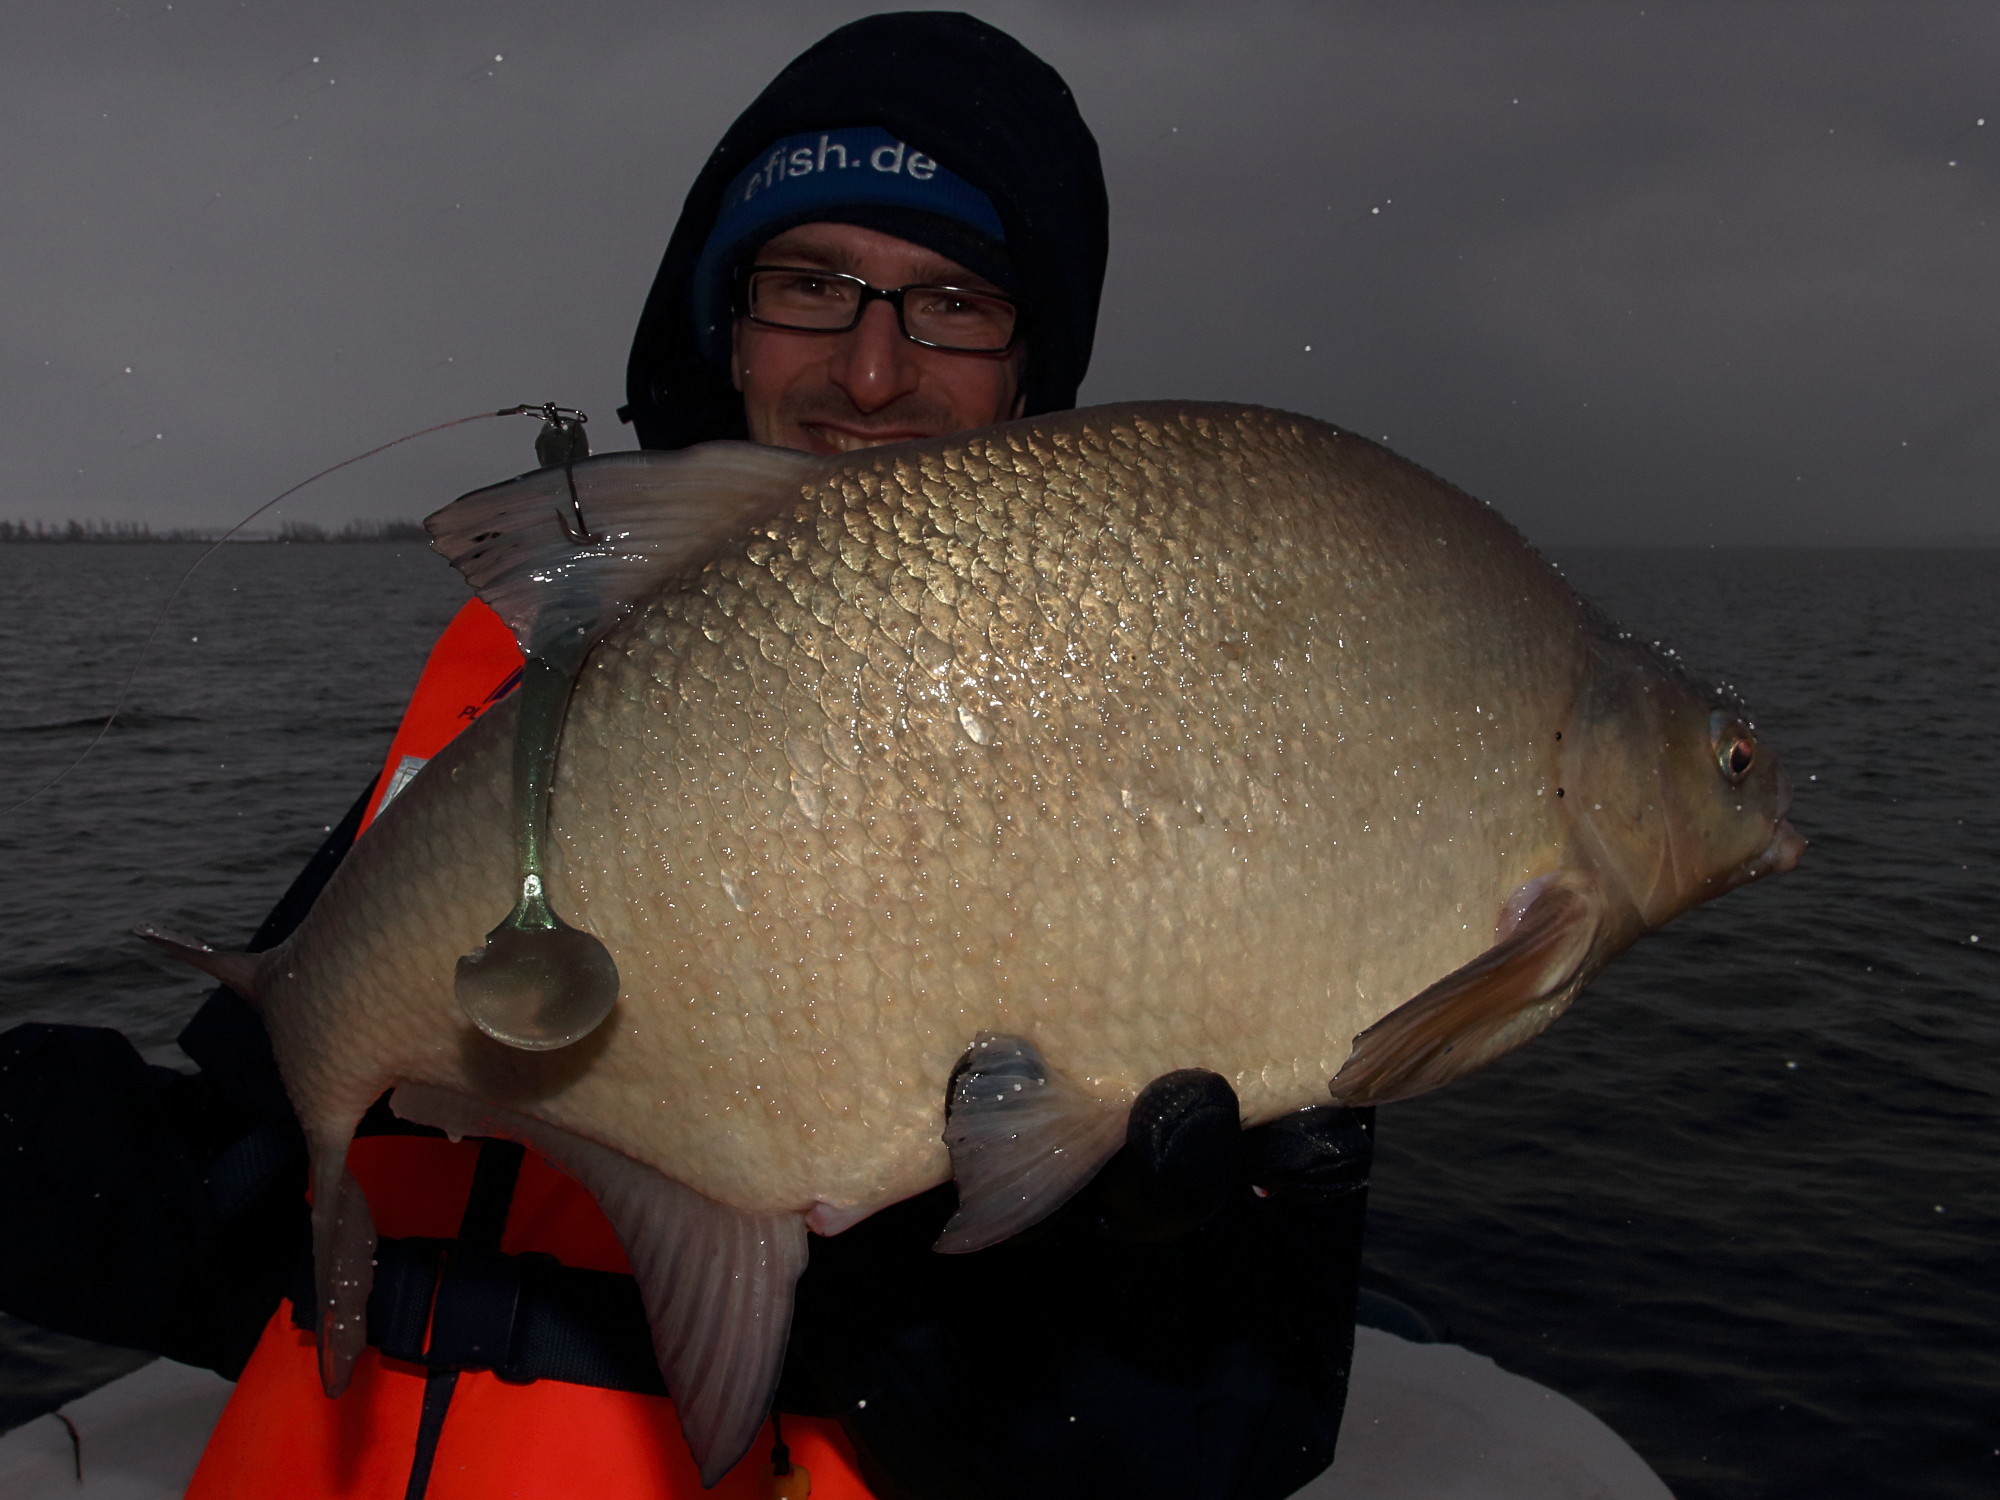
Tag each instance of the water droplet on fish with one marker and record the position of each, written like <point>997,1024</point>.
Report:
<point>736,896</point>
<point>976,729</point>
<point>931,654</point>
<point>806,793</point>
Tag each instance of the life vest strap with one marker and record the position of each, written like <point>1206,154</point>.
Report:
<point>439,1304</point>
<point>463,1304</point>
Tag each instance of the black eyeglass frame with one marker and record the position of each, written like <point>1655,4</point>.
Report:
<point>891,295</point>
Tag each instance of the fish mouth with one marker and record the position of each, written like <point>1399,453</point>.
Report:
<point>1778,856</point>
<point>1787,843</point>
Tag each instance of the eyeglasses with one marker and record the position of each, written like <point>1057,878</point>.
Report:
<point>938,317</point>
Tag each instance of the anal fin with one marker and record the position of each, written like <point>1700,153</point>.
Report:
<point>717,1281</point>
<point>1482,1010</point>
<point>1023,1141</point>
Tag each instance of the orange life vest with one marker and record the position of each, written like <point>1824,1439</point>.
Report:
<point>279,1436</point>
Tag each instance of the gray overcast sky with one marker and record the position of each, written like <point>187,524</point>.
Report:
<point>1661,272</point>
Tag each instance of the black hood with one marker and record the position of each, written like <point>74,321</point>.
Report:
<point>967,95</point>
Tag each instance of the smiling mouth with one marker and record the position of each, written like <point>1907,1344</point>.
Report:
<point>827,440</point>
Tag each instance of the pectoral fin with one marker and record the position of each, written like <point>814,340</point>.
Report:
<point>1023,1140</point>
<point>717,1282</point>
<point>1504,997</point>
<point>644,518</point>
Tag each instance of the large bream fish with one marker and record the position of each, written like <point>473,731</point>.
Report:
<point>1062,754</point>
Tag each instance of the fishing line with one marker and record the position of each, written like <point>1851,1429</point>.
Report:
<point>561,425</point>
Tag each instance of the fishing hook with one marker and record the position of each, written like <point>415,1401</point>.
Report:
<point>562,441</point>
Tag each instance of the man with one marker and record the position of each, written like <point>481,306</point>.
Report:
<point>944,358</point>
<point>902,238</point>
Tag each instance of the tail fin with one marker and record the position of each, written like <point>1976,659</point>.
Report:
<point>237,970</point>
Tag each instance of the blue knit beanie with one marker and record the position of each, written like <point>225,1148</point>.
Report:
<point>859,175</point>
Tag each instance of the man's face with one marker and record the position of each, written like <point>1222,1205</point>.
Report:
<point>834,392</point>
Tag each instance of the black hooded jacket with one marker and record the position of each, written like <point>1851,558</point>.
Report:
<point>969,96</point>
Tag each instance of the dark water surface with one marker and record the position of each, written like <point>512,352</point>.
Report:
<point>1741,1202</point>
<point>265,705</point>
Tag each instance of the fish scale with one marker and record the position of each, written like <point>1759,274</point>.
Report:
<point>1032,825</point>
<point>1081,749</point>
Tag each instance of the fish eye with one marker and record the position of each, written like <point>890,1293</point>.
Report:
<point>1735,746</point>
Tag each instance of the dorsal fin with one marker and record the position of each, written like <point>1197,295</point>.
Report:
<point>717,1281</point>
<point>562,553</point>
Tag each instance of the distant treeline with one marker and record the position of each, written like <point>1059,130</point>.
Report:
<point>139,531</point>
<point>355,531</point>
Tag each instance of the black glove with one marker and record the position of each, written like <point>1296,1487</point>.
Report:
<point>142,1207</point>
<point>1180,1330</point>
